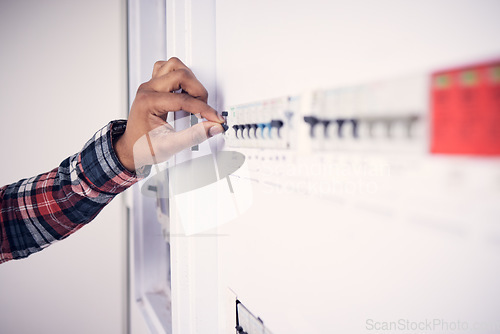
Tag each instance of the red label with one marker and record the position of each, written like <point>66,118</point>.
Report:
<point>465,107</point>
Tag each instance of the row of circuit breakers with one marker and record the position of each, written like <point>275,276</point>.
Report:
<point>453,111</point>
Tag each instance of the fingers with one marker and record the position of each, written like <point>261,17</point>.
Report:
<point>162,67</point>
<point>180,79</point>
<point>148,113</point>
<point>171,75</point>
<point>161,103</point>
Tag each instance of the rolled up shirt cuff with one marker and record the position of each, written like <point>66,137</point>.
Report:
<point>100,164</point>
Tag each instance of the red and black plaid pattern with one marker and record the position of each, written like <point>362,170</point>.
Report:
<point>43,209</point>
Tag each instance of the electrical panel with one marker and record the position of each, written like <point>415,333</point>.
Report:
<point>367,153</point>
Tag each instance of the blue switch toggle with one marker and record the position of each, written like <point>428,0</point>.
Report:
<point>262,127</point>
<point>269,127</point>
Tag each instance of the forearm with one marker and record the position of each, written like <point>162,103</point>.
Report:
<point>41,210</point>
<point>38,211</point>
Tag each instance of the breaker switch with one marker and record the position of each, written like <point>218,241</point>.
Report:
<point>276,123</point>
<point>325,123</point>
<point>410,126</point>
<point>340,122</point>
<point>312,121</point>
<point>254,127</point>
<point>248,127</point>
<point>242,127</point>
<point>354,128</point>
<point>261,126</point>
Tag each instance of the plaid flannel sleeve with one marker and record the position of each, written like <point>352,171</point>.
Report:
<point>43,209</point>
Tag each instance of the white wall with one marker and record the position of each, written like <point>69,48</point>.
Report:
<point>62,77</point>
<point>293,46</point>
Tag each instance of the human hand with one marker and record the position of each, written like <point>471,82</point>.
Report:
<point>148,138</point>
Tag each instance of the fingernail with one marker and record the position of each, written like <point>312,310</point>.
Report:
<point>221,118</point>
<point>215,130</point>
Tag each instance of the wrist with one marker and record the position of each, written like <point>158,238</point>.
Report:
<point>123,153</point>
<point>120,146</point>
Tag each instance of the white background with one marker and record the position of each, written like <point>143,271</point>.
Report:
<point>62,77</point>
<point>273,48</point>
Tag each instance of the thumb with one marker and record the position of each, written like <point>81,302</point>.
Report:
<point>162,143</point>
<point>181,140</point>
